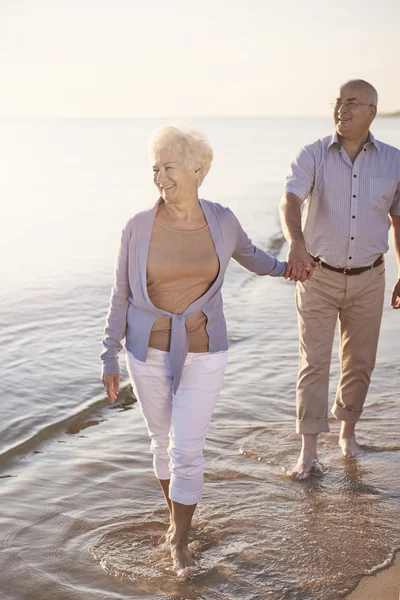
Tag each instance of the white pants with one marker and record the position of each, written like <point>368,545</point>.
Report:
<point>178,423</point>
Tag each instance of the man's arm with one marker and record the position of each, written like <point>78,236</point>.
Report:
<point>395,303</point>
<point>299,261</point>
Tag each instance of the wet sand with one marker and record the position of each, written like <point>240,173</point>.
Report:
<point>385,585</point>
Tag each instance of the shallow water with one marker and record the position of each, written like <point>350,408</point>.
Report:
<point>81,513</point>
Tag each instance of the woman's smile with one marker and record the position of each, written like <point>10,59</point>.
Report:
<point>172,178</point>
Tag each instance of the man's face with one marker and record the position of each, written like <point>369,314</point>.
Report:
<point>353,114</point>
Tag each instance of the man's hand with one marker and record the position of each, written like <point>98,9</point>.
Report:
<point>300,265</point>
<point>111,386</point>
<point>395,303</point>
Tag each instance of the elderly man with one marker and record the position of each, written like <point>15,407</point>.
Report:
<point>350,186</point>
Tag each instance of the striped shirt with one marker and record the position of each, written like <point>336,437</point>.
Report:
<point>345,216</point>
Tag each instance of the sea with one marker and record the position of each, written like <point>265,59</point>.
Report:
<point>82,514</point>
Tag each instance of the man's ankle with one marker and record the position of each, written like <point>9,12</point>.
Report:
<point>347,429</point>
<point>309,441</point>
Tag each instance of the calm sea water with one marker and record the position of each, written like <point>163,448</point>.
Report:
<point>81,512</point>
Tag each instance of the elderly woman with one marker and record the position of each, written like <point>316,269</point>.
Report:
<point>167,304</point>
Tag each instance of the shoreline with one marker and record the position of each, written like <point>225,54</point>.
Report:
<point>383,585</point>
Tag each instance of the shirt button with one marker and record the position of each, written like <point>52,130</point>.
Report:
<point>354,217</point>
<point>352,238</point>
<point>349,257</point>
<point>354,195</point>
<point>354,175</point>
<point>365,149</point>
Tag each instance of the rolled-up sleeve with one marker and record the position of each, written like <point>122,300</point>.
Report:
<point>395,207</point>
<point>254,259</point>
<point>301,177</point>
<point>116,321</point>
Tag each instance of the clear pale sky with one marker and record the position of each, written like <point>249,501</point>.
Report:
<point>117,58</point>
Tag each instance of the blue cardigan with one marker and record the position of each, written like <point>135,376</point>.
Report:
<point>131,314</point>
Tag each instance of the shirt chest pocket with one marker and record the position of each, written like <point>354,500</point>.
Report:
<point>382,192</point>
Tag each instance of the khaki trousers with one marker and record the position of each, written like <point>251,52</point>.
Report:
<point>357,301</point>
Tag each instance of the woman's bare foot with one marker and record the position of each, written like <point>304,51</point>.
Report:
<point>181,559</point>
<point>182,518</point>
<point>347,440</point>
<point>308,459</point>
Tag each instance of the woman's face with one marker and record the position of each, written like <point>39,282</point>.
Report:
<point>173,179</point>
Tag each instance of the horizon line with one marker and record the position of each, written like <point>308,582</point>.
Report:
<point>177,117</point>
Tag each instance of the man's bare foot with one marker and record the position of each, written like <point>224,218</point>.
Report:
<point>181,559</point>
<point>304,467</point>
<point>308,459</point>
<point>349,446</point>
<point>347,440</point>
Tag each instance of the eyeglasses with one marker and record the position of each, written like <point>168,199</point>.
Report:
<point>349,105</point>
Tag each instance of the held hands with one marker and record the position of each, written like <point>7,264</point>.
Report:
<point>395,302</point>
<point>111,386</point>
<point>300,265</point>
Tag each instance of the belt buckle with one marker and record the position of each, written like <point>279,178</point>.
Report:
<point>345,270</point>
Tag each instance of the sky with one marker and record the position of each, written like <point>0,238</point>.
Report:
<point>142,58</point>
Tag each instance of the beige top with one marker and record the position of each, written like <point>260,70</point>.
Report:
<point>181,267</point>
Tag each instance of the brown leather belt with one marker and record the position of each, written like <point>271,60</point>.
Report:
<point>347,271</point>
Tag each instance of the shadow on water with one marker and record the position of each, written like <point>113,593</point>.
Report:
<point>125,401</point>
<point>74,424</point>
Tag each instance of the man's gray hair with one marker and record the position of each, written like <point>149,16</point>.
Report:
<point>187,144</point>
<point>372,93</point>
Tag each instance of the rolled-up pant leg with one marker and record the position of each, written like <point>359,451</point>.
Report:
<point>192,408</point>
<point>360,320</point>
<point>152,384</point>
<point>318,303</point>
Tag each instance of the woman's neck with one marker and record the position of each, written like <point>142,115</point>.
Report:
<point>182,215</point>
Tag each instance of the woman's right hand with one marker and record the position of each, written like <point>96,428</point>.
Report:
<point>300,264</point>
<point>111,386</point>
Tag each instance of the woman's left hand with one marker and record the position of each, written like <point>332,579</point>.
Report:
<point>111,386</point>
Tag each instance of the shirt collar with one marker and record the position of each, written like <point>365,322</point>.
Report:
<point>334,140</point>
<point>370,140</point>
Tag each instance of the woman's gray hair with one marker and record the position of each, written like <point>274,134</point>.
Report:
<point>187,144</point>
